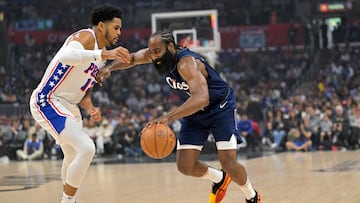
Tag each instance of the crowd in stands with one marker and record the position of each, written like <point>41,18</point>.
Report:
<point>325,116</point>
<point>25,14</point>
<point>273,113</point>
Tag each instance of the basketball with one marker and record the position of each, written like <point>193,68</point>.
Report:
<point>158,141</point>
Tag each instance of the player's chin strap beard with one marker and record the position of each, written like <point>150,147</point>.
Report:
<point>165,64</point>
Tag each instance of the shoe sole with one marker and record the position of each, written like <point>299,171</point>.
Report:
<point>259,200</point>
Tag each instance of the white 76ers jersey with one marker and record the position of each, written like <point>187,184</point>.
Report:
<point>61,89</point>
<point>68,82</point>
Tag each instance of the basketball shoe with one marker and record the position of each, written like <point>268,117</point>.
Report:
<point>218,190</point>
<point>256,199</point>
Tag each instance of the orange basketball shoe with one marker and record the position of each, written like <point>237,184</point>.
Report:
<point>256,199</point>
<point>218,190</point>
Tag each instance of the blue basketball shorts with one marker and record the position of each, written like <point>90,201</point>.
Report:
<point>220,120</point>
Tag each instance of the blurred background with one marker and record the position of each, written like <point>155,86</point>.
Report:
<point>294,59</point>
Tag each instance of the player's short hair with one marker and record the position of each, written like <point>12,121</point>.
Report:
<point>166,36</point>
<point>105,13</point>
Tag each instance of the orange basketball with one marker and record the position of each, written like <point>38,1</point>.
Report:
<point>158,141</point>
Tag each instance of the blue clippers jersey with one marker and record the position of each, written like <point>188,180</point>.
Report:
<point>216,85</point>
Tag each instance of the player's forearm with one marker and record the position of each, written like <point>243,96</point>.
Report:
<point>117,65</point>
<point>139,57</point>
<point>86,102</point>
<point>189,107</point>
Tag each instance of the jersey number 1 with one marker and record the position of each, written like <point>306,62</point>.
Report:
<point>88,84</point>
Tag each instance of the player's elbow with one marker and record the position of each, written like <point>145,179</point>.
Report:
<point>204,101</point>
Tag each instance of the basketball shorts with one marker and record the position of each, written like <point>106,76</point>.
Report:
<point>53,115</point>
<point>219,120</point>
<point>299,143</point>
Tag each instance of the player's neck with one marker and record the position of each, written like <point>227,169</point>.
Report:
<point>101,43</point>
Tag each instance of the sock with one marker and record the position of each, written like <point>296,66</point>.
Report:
<point>248,190</point>
<point>213,174</point>
<point>67,199</point>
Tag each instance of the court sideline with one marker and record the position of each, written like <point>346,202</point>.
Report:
<point>289,177</point>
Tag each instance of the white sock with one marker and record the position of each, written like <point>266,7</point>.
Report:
<point>248,190</point>
<point>213,174</point>
<point>67,199</point>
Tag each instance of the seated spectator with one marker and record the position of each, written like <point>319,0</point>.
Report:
<point>3,151</point>
<point>18,136</point>
<point>354,118</point>
<point>279,129</point>
<point>305,129</point>
<point>325,133</point>
<point>104,138</point>
<point>313,120</point>
<point>33,148</point>
<point>118,136</point>
<point>90,128</point>
<point>247,131</point>
<point>131,142</point>
<point>267,138</point>
<point>341,127</point>
<point>298,141</point>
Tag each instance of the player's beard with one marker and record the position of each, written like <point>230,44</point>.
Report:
<point>165,64</point>
<point>111,41</point>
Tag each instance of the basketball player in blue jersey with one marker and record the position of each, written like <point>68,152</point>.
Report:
<point>66,86</point>
<point>209,106</point>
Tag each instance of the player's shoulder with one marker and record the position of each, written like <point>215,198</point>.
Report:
<point>86,37</point>
<point>186,56</point>
<point>83,33</point>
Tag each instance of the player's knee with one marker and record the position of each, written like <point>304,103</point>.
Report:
<point>88,150</point>
<point>185,169</point>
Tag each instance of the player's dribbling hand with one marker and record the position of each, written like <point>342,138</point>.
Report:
<point>119,53</point>
<point>162,119</point>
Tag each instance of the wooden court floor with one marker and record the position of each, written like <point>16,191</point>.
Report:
<point>290,177</point>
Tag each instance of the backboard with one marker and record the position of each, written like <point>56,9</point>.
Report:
<point>197,30</point>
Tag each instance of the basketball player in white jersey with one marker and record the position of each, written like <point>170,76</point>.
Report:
<point>66,86</point>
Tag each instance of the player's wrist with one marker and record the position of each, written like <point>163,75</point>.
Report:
<point>104,54</point>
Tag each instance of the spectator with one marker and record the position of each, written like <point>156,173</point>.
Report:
<point>267,137</point>
<point>314,120</point>
<point>90,128</point>
<point>297,141</point>
<point>325,133</point>
<point>256,129</point>
<point>341,128</point>
<point>291,120</point>
<point>104,138</point>
<point>247,131</point>
<point>33,148</point>
<point>18,136</point>
<point>132,142</point>
<point>305,129</point>
<point>4,158</point>
<point>354,119</point>
<point>118,136</point>
<point>279,131</point>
